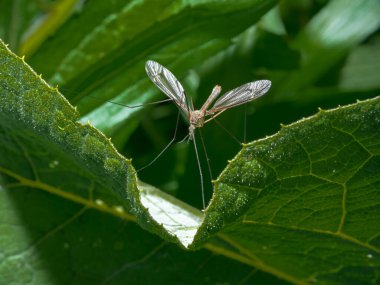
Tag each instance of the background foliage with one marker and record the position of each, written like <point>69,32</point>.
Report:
<point>317,54</point>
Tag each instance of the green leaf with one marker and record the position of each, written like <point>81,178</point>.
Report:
<point>35,116</point>
<point>306,196</point>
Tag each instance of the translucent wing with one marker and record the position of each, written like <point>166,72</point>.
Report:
<point>240,95</point>
<point>168,84</point>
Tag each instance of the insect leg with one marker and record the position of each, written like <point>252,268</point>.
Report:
<point>165,148</point>
<point>200,172</point>
<point>206,155</point>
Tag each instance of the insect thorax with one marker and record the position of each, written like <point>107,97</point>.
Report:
<point>197,118</point>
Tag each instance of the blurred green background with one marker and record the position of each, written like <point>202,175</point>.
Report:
<point>318,54</point>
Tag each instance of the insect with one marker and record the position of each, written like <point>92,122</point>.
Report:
<point>169,85</point>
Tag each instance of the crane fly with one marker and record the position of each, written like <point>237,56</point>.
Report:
<point>172,88</point>
<point>169,84</point>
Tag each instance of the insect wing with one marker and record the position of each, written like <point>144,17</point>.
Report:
<point>168,84</point>
<point>240,95</point>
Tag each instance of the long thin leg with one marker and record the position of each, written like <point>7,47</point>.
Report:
<point>134,106</point>
<point>245,124</point>
<point>227,131</point>
<point>181,141</point>
<point>200,172</point>
<point>165,148</point>
<point>206,155</point>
